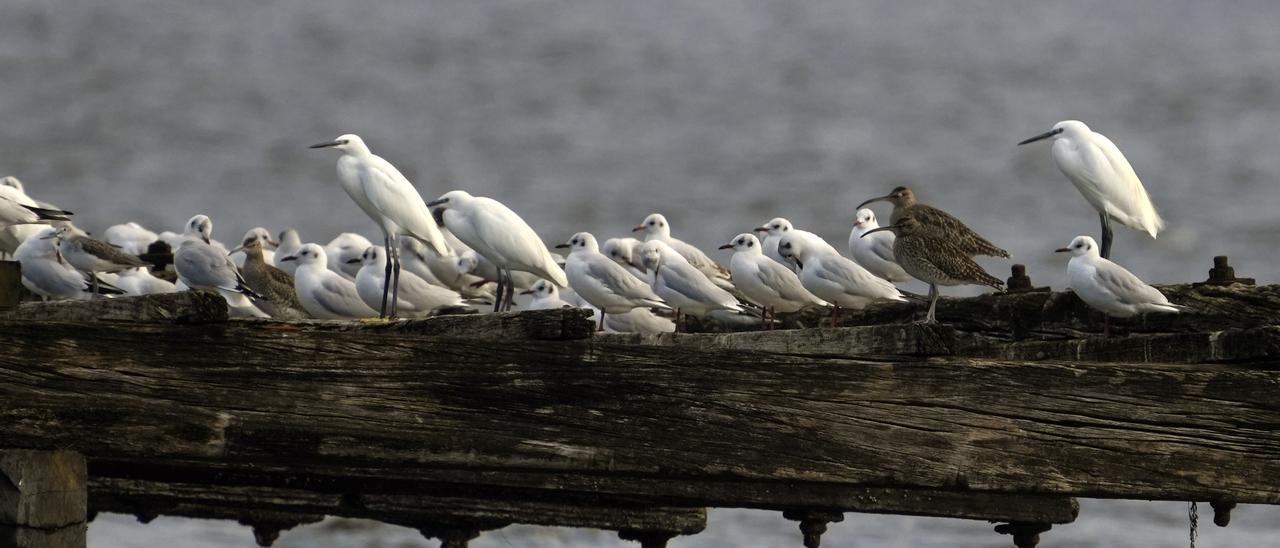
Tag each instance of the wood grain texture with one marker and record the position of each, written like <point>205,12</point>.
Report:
<point>615,416</point>
<point>191,307</point>
<point>42,489</point>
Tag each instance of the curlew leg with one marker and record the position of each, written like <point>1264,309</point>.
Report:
<point>393,255</point>
<point>601,326</point>
<point>386,280</point>
<point>1106,235</point>
<point>933,304</point>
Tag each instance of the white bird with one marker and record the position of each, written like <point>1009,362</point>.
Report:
<point>626,252</point>
<point>92,256</point>
<point>268,245</point>
<point>389,199</point>
<point>681,285</point>
<point>15,213</point>
<point>45,273</point>
<point>201,265</point>
<point>495,231</point>
<point>289,244</point>
<point>875,252</point>
<point>417,298</point>
<point>1103,175</point>
<point>131,237</point>
<point>325,293</point>
<point>443,270</point>
<point>344,247</point>
<point>473,265</point>
<point>603,283</point>
<point>639,320</point>
<point>546,296</point>
<point>1107,286</point>
<point>139,281</point>
<point>833,278</point>
<point>778,227</point>
<point>14,233</point>
<point>764,281</point>
<point>655,227</point>
<point>199,227</point>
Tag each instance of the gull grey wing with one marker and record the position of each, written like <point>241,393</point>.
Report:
<point>1129,289</point>
<point>883,247</point>
<point>694,284</point>
<point>783,280</point>
<point>618,280</point>
<point>339,298</point>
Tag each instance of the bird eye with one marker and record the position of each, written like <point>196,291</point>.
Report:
<point>787,245</point>
<point>751,244</point>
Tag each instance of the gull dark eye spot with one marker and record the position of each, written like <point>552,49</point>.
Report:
<point>751,244</point>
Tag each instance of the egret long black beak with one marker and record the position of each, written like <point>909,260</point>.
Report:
<point>760,229</point>
<point>638,228</point>
<point>1062,250</point>
<point>561,246</point>
<point>874,200</point>
<point>875,230</point>
<point>326,145</point>
<point>726,246</point>
<point>289,258</point>
<point>434,203</point>
<point>1041,136</point>
<point>354,261</point>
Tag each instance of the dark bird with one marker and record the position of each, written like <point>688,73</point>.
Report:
<point>932,256</point>
<point>961,236</point>
<point>279,300</point>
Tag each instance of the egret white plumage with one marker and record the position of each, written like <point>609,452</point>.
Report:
<point>1107,286</point>
<point>764,281</point>
<point>389,199</point>
<point>324,293</point>
<point>875,252</point>
<point>500,235</point>
<point>603,283</point>
<point>1104,177</point>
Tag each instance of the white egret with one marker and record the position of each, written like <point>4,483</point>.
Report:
<point>389,199</point>
<point>496,232</point>
<point>1104,177</point>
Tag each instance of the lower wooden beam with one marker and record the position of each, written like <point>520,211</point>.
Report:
<point>42,499</point>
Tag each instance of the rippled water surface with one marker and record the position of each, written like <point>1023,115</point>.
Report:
<point>719,113</point>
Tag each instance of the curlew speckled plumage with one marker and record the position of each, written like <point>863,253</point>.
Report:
<point>930,255</point>
<point>959,234</point>
<point>280,300</point>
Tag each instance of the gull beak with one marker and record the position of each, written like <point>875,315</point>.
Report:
<point>289,258</point>
<point>638,228</point>
<point>760,229</point>
<point>1041,136</point>
<point>561,246</point>
<point>527,292</point>
<point>325,145</point>
<point>205,238</point>
<point>873,200</point>
<point>1062,250</point>
<point>799,264</point>
<point>875,230</point>
<point>354,261</point>
<point>434,203</point>
<point>726,246</point>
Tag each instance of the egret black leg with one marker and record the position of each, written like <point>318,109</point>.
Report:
<point>497,298</point>
<point>386,281</point>
<point>511,289</point>
<point>393,253</point>
<point>1106,235</point>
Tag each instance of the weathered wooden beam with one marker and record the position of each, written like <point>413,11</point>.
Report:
<point>191,307</point>
<point>619,416</point>
<point>256,504</point>
<point>42,499</point>
<point>10,283</point>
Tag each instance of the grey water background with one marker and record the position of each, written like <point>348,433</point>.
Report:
<point>721,114</point>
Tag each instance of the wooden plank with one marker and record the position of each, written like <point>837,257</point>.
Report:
<point>277,504</point>
<point>42,499</point>
<point>10,284</point>
<point>190,307</point>
<point>595,411</point>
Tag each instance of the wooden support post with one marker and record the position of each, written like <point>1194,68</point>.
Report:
<point>42,499</point>
<point>10,283</point>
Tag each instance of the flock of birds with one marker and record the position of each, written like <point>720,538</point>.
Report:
<point>461,250</point>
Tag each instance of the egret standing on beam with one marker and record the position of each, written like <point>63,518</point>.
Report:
<point>390,200</point>
<point>1102,174</point>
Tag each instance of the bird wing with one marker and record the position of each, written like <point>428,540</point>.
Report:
<point>694,285</point>
<point>1126,287</point>
<point>784,281</point>
<point>108,252</point>
<point>504,231</point>
<point>1131,198</point>
<point>615,279</point>
<point>962,236</point>
<point>854,279</point>
<point>882,246</point>
<point>396,198</point>
<point>340,299</point>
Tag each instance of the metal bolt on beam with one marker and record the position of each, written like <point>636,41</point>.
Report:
<point>1020,282</point>
<point>647,539</point>
<point>1025,535</point>
<point>1222,512</point>
<point>1223,274</point>
<point>813,523</point>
